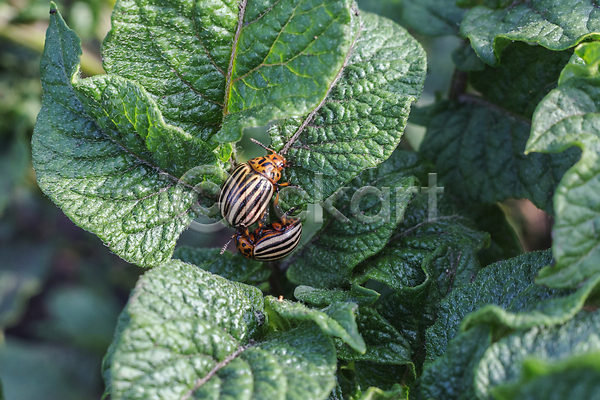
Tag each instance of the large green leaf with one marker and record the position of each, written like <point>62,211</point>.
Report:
<point>361,121</point>
<point>577,377</point>
<point>569,116</point>
<point>186,333</point>
<point>505,296</point>
<point>363,225</point>
<point>478,142</point>
<point>112,151</point>
<point>229,64</point>
<point>103,153</point>
<point>502,362</point>
<point>554,24</point>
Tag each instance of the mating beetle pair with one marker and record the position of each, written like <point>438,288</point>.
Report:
<point>243,201</point>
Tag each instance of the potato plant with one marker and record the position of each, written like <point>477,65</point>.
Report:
<point>414,285</point>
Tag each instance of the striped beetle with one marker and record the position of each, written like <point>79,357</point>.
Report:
<point>245,195</point>
<point>269,243</point>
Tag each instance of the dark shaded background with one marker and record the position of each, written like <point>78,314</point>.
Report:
<point>61,289</point>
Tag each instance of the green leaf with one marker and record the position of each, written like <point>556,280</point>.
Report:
<point>554,24</point>
<point>336,320</point>
<point>451,375</point>
<point>323,297</point>
<point>124,113</point>
<point>186,333</point>
<point>576,377</point>
<point>478,152</point>
<point>236,63</point>
<point>503,295</point>
<point>103,153</point>
<point>384,344</point>
<point>233,267</point>
<point>432,17</point>
<point>568,116</point>
<point>555,310</point>
<point>502,362</point>
<point>14,160</point>
<point>584,63</point>
<point>361,228</point>
<point>361,121</point>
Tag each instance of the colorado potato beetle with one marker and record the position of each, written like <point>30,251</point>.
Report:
<point>270,242</point>
<point>245,195</point>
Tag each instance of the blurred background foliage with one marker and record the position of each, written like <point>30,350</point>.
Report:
<point>61,289</point>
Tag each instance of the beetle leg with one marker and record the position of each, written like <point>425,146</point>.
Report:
<point>279,186</point>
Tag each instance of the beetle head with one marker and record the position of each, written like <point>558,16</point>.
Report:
<point>277,160</point>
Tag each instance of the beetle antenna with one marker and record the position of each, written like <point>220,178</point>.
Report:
<point>227,244</point>
<point>262,145</point>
